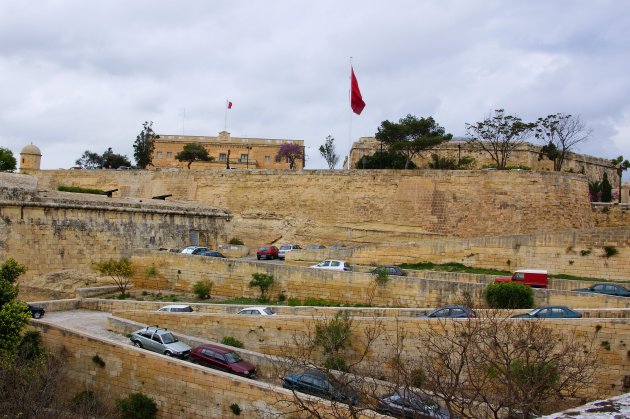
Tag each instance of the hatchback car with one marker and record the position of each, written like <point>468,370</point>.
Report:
<point>550,312</point>
<point>257,311</point>
<point>214,356</point>
<point>267,252</point>
<point>160,340</point>
<point>212,254</point>
<point>452,312</point>
<point>608,289</point>
<point>194,250</point>
<point>407,404</point>
<point>286,248</point>
<point>37,312</point>
<point>177,308</point>
<point>317,383</point>
<point>391,270</point>
<point>333,265</point>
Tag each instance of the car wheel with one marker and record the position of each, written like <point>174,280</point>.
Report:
<point>37,315</point>
<point>258,257</point>
<point>168,353</point>
<point>137,344</point>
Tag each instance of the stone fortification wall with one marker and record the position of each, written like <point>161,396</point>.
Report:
<point>361,206</point>
<point>274,336</point>
<point>54,231</point>
<point>179,388</point>
<point>578,253</point>
<point>231,279</point>
<point>526,155</point>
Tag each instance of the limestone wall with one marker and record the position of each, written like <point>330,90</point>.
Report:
<point>361,206</point>
<point>274,335</point>
<point>231,279</point>
<point>55,231</point>
<point>180,388</point>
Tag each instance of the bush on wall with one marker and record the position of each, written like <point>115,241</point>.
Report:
<point>509,295</point>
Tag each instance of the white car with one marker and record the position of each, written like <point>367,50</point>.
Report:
<point>177,308</point>
<point>333,265</point>
<point>286,248</point>
<point>194,250</point>
<point>257,311</point>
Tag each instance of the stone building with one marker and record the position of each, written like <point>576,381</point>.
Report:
<point>241,153</point>
<point>30,158</point>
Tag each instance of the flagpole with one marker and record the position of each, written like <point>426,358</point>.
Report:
<point>350,115</point>
<point>225,121</point>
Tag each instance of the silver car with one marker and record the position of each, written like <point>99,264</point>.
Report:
<point>160,340</point>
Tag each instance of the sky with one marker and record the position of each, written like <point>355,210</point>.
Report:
<point>81,75</point>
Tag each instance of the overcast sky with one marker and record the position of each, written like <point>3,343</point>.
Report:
<point>83,75</point>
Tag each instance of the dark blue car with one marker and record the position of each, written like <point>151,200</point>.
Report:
<point>550,312</point>
<point>608,289</point>
<point>318,384</point>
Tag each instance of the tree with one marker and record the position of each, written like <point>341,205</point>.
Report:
<point>499,136</point>
<point>7,160</point>
<point>384,160</point>
<point>263,282</point>
<point>606,189</point>
<point>192,153</point>
<point>10,270</point>
<point>560,133</point>
<point>595,190</point>
<point>13,314</point>
<point>112,160</point>
<point>90,160</point>
<point>621,166</point>
<point>327,150</point>
<point>411,135</point>
<point>120,271</point>
<point>144,145</point>
<point>291,152</point>
<point>446,163</point>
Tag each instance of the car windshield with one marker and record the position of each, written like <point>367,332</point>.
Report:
<point>268,311</point>
<point>285,247</point>
<point>262,249</point>
<point>232,357</point>
<point>534,312</point>
<point>168,338</point>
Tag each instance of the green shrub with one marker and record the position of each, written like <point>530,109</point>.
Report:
<point>84,401</point>
<point>235,408</point>
<point>293,301</point>
<point>230,341</point>
<point>509,295</point>
<point>333,334</point>
<point>235,241</point>
<point>263,282</point>
<point>152,271</point>
<point>610,251</point>
<point>202,289</point>
<point>282,296</point>
<point>381,277</point>
<point>336,363</point>
<point>137,406</point>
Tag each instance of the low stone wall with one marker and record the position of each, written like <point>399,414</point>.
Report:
<point>274,335</point>
<point>180,388</point>
<point>231,278</point>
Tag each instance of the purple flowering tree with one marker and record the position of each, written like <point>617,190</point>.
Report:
<point>291,152</point>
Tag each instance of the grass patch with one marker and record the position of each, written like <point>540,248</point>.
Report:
<point>78,189</point>
<point>580,278</point>
<point>452,267</point>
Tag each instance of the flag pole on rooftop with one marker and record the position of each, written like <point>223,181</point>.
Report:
<point>228,105</point>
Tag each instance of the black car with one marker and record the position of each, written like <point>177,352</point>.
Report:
<point>452,312</point>
<point>391,270</point>
<point>550,312</point>
<point>408,404</point>
<point>608,289</point>
<point>212,254</point>
<point>37,312</point>
<point>317,383</point>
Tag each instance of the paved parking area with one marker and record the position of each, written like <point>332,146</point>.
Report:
<point>90,321</point>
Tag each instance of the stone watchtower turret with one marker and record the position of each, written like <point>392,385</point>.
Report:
<point>30,158</point>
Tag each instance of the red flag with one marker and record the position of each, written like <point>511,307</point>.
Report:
<point>356,101</point>
<point>229,105</point>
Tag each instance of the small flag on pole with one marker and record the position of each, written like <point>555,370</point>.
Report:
<point>229,105</point>
<point>356,100</point>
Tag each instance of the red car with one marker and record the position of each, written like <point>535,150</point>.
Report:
<point>222,359</point>
<point>267,252</point>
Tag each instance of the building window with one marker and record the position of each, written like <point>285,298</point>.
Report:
<point>159,154</point>
<point>222,157</point>
<point>169,154</point>
<point>244,157</point>
<point>278,159</point>
<point>267,159</point>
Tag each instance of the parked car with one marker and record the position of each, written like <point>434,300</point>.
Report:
<point>222,359</point>
<point>550,312</point>
<point>160,340</point>
<point>452,311</point>
<point>177,308</point>
<point>408,404</point>
<point>608,289</point>
<point>212,254</point>
<point>333,265</point>
<point>257,311</point>
<point>286,248</point>
<point>317,383</point>
<point>536,278</point>
<point>391,270</point>
<point>194,250</point>
<point>37,312</point>
<point>267,252</point>
<point>315,247</point>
